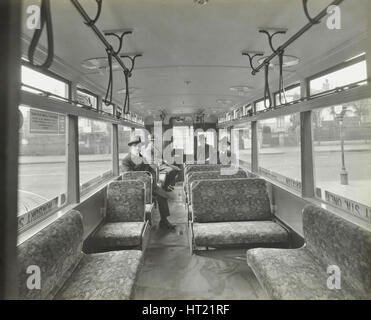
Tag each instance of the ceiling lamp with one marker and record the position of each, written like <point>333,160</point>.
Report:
<point>131,90</point>
<point>240,90</point>
<point>288,61</point>
<point>201,2</point>
<point>224,102</point>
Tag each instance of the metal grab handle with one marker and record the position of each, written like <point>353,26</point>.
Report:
<point>45,17</point>
<point>99,11</point>
<point>311,20</point>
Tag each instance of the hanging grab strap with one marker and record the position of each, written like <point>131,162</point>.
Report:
<point>267,92</point>
<point>45,17</point>
<point>281,84</point>
<point>110,79</point>
<point>126,108</point>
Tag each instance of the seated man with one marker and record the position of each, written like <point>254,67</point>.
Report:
<point>170,171</point>
<point>134,161</point>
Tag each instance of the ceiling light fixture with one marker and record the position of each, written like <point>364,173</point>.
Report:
<point>201,2</point>
<point>241,90</point>
<point>224,102</point>
<point>131,90</point>
<point>288,61</point>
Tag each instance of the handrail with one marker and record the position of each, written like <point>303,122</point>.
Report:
<point>297,35</point>
<point>99,34</point>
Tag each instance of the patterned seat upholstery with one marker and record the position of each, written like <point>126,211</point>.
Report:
<point>302,273</point>
<point>233,212</point>
<point>212,175</point>
<point>118,235</point>
<point>144,176</point>
<point>125,201</point>
<point>125,225</point>
<point>66,272</point>
<point>243,233</point>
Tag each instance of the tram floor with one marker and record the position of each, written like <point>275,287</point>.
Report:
<point>169,271</point>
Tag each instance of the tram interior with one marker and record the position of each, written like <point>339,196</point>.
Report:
<point>254,122</point>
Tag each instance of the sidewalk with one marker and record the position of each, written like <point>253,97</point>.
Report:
<point>62,159</point>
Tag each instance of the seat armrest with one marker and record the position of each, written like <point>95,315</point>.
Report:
<point>148,213</point>
<point>190,213</point>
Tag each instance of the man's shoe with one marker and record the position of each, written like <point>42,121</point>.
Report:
<point>165,224</point>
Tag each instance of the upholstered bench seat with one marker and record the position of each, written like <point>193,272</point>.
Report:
<point>239,233</point>
<point>119,235</point>
<point>68,273</point>
<point>127,221</point>
<point>331,243</point>
<point>103,276</point>
<point>293,274</point>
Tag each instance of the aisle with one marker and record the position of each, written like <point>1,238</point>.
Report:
<point>170,272</point>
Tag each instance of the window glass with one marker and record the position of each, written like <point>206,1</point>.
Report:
<point>44,82</point>
<point>107,109</point>
<point>244,144</point>
<point>342,153</point>
<point>348,75</point>
<point>259,105</point>
<point>183,138</point>
<point>94,152</point>
<point>42,164</point>
<point>279,150</point>
<point>290,95</point>
<point>124,134</point>
<point>86,99</point>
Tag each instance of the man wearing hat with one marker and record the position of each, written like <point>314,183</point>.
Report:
<point>134,161</point>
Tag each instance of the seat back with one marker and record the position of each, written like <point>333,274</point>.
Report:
<point>125,201</point>
<point>230,200</point>
<point>144,176</point>
<point>203,168</point>
<point>56,250</point>
<point>336,241</point>
<point>212,175</point>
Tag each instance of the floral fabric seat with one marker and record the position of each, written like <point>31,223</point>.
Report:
<point>67,273</point>
<point>302,273</point>
<point>233,212</point>
<point>125,223</point>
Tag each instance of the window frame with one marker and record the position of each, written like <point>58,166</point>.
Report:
<point>333,69</point>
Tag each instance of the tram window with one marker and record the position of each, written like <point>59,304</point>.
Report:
<point>42,161</point>
<point>244,144</point>
<point>291,94</point>
<point>107,109</point>
<point>183,138</point>
<point>86,99</point>
<point>342,152</point>
<point>94,152</point>
<point>124,134</point>
<point>259,105</point>
<point>279,150</point>
<point>348,75</point>
<point>43,82</point>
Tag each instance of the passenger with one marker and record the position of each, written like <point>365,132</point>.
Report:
<point>171,171</point>
<point>134,161</point>
<point>224,151</point>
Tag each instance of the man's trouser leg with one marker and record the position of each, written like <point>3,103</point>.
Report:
<point>163,207</point>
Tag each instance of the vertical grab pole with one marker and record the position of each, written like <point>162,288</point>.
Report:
<point>254,147</point>
<point>306,138</point>
<point>115,150</point>
<point>72,149</point>
<point>10,57</point>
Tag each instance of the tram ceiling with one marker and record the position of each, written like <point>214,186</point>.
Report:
<point>181,42</point>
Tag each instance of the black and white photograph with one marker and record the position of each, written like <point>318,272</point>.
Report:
<point>182,156</point>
